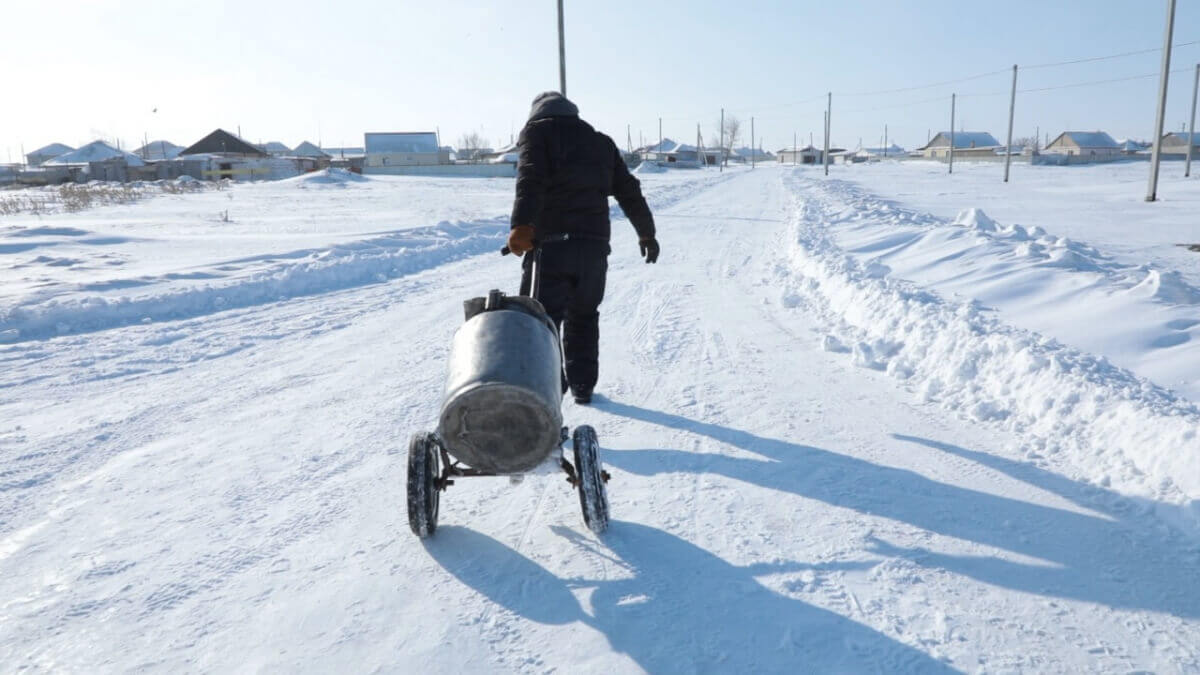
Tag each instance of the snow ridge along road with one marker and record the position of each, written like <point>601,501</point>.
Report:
<point>225,492</point>
<point>1113,427</point>
<point>55,304</point>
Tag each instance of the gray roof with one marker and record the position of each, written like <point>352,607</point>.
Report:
<point>966,139</point>
<point>1182,137</point>
<point>1089,139</point>
<point>222,142</point>
<point>307,149</point>
<point>96,151</point>
<point>414,142</point>
<point>52,150</point>
<point>274,147</point>
<point>158,150</point>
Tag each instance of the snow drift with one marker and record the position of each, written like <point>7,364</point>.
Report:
<point>1116,428</point>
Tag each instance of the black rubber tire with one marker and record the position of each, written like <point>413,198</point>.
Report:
<point>593,496</point>
<point>423,496</point>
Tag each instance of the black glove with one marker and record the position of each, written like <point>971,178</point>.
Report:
<point>649,246</point>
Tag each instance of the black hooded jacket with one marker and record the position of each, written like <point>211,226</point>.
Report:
<point>566,172</point>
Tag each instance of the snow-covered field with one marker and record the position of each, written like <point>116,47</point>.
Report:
<point>849,430</point>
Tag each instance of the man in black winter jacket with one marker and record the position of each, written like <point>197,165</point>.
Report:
<point>565,174</point>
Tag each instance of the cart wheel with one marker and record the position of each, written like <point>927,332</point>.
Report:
<point>592,495</point>
<point>422,492</point>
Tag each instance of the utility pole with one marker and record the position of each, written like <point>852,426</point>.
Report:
<point>1037,136</point>
<point>752,152</point>
<point>1160,119</point>
<point>562,52</point>
<point>794,148</point>
<point>828,117</point>
<point>1191,139</point>
<point>885,140</point>
<point>629,138</point>
<point>952,96</point>
<point>721,163</point>
<point>658,154</point>
<point>1012,107</point>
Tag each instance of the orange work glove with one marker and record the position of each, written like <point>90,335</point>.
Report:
<point>520,239</point>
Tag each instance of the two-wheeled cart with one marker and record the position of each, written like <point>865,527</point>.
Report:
<point>502,411</point>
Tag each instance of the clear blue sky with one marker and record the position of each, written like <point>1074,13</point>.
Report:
<point>76,70</point>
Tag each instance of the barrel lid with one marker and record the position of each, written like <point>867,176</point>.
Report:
<point>498,301</point>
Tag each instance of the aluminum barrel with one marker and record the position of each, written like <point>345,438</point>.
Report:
<point>502,410</point>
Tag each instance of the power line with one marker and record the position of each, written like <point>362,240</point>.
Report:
<point>924,86</point>
<point>1087,84</point>
<point>978,76</point>
<point>1076,84</point>
<point>1105,58</point>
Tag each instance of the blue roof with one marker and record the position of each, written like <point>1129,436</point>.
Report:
<point>1184,137</point>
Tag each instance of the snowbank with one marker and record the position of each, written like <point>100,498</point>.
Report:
<point>333,176</point>
<point>1116,428</point>
<point>302,273</point>
<point>650,167</point>
<point>1141,316</point>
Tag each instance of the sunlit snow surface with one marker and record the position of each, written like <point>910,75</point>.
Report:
<point>888,421</point>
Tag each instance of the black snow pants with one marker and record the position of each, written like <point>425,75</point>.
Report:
<point>572,275</point>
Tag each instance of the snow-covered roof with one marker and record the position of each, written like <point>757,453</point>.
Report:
<point>1088,139</point>
<point>414,142</point>
<point>274,148</point>
<point>52,150</point>
<point>890,150</point>
<point>666,145</point>
<point>748,152</point>
<point>964,139</point>
<point>96,151</point>
<point>307,149</point>
<point>1182,137</point>
<point>158,150</point>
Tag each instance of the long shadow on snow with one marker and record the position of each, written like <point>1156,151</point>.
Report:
<point>1120,563</point>
<point>682,608</point>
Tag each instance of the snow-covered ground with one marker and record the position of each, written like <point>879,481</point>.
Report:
<point>835,444</point>
<point>1074,253</point>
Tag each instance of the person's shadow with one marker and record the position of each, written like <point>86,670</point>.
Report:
<point>680,609</point>
<point>1121,559</point>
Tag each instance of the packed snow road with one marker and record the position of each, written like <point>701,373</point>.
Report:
<point>800,481</point>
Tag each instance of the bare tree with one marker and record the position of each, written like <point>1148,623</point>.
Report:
<point>733,132</point>
<point>1026,142</point>
<point>470,143</point>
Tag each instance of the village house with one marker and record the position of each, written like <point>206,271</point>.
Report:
<point>97,161</point>
<point>275,149</point>
<point>1096,145</point>
<point>156,151</point>
<point>967,144</point>
<point>805,155</point>
<point>393,149</point>
<point>46,153</point>
<point>222,155</point>
<point>656,152</point>
<point>1175,145</point>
